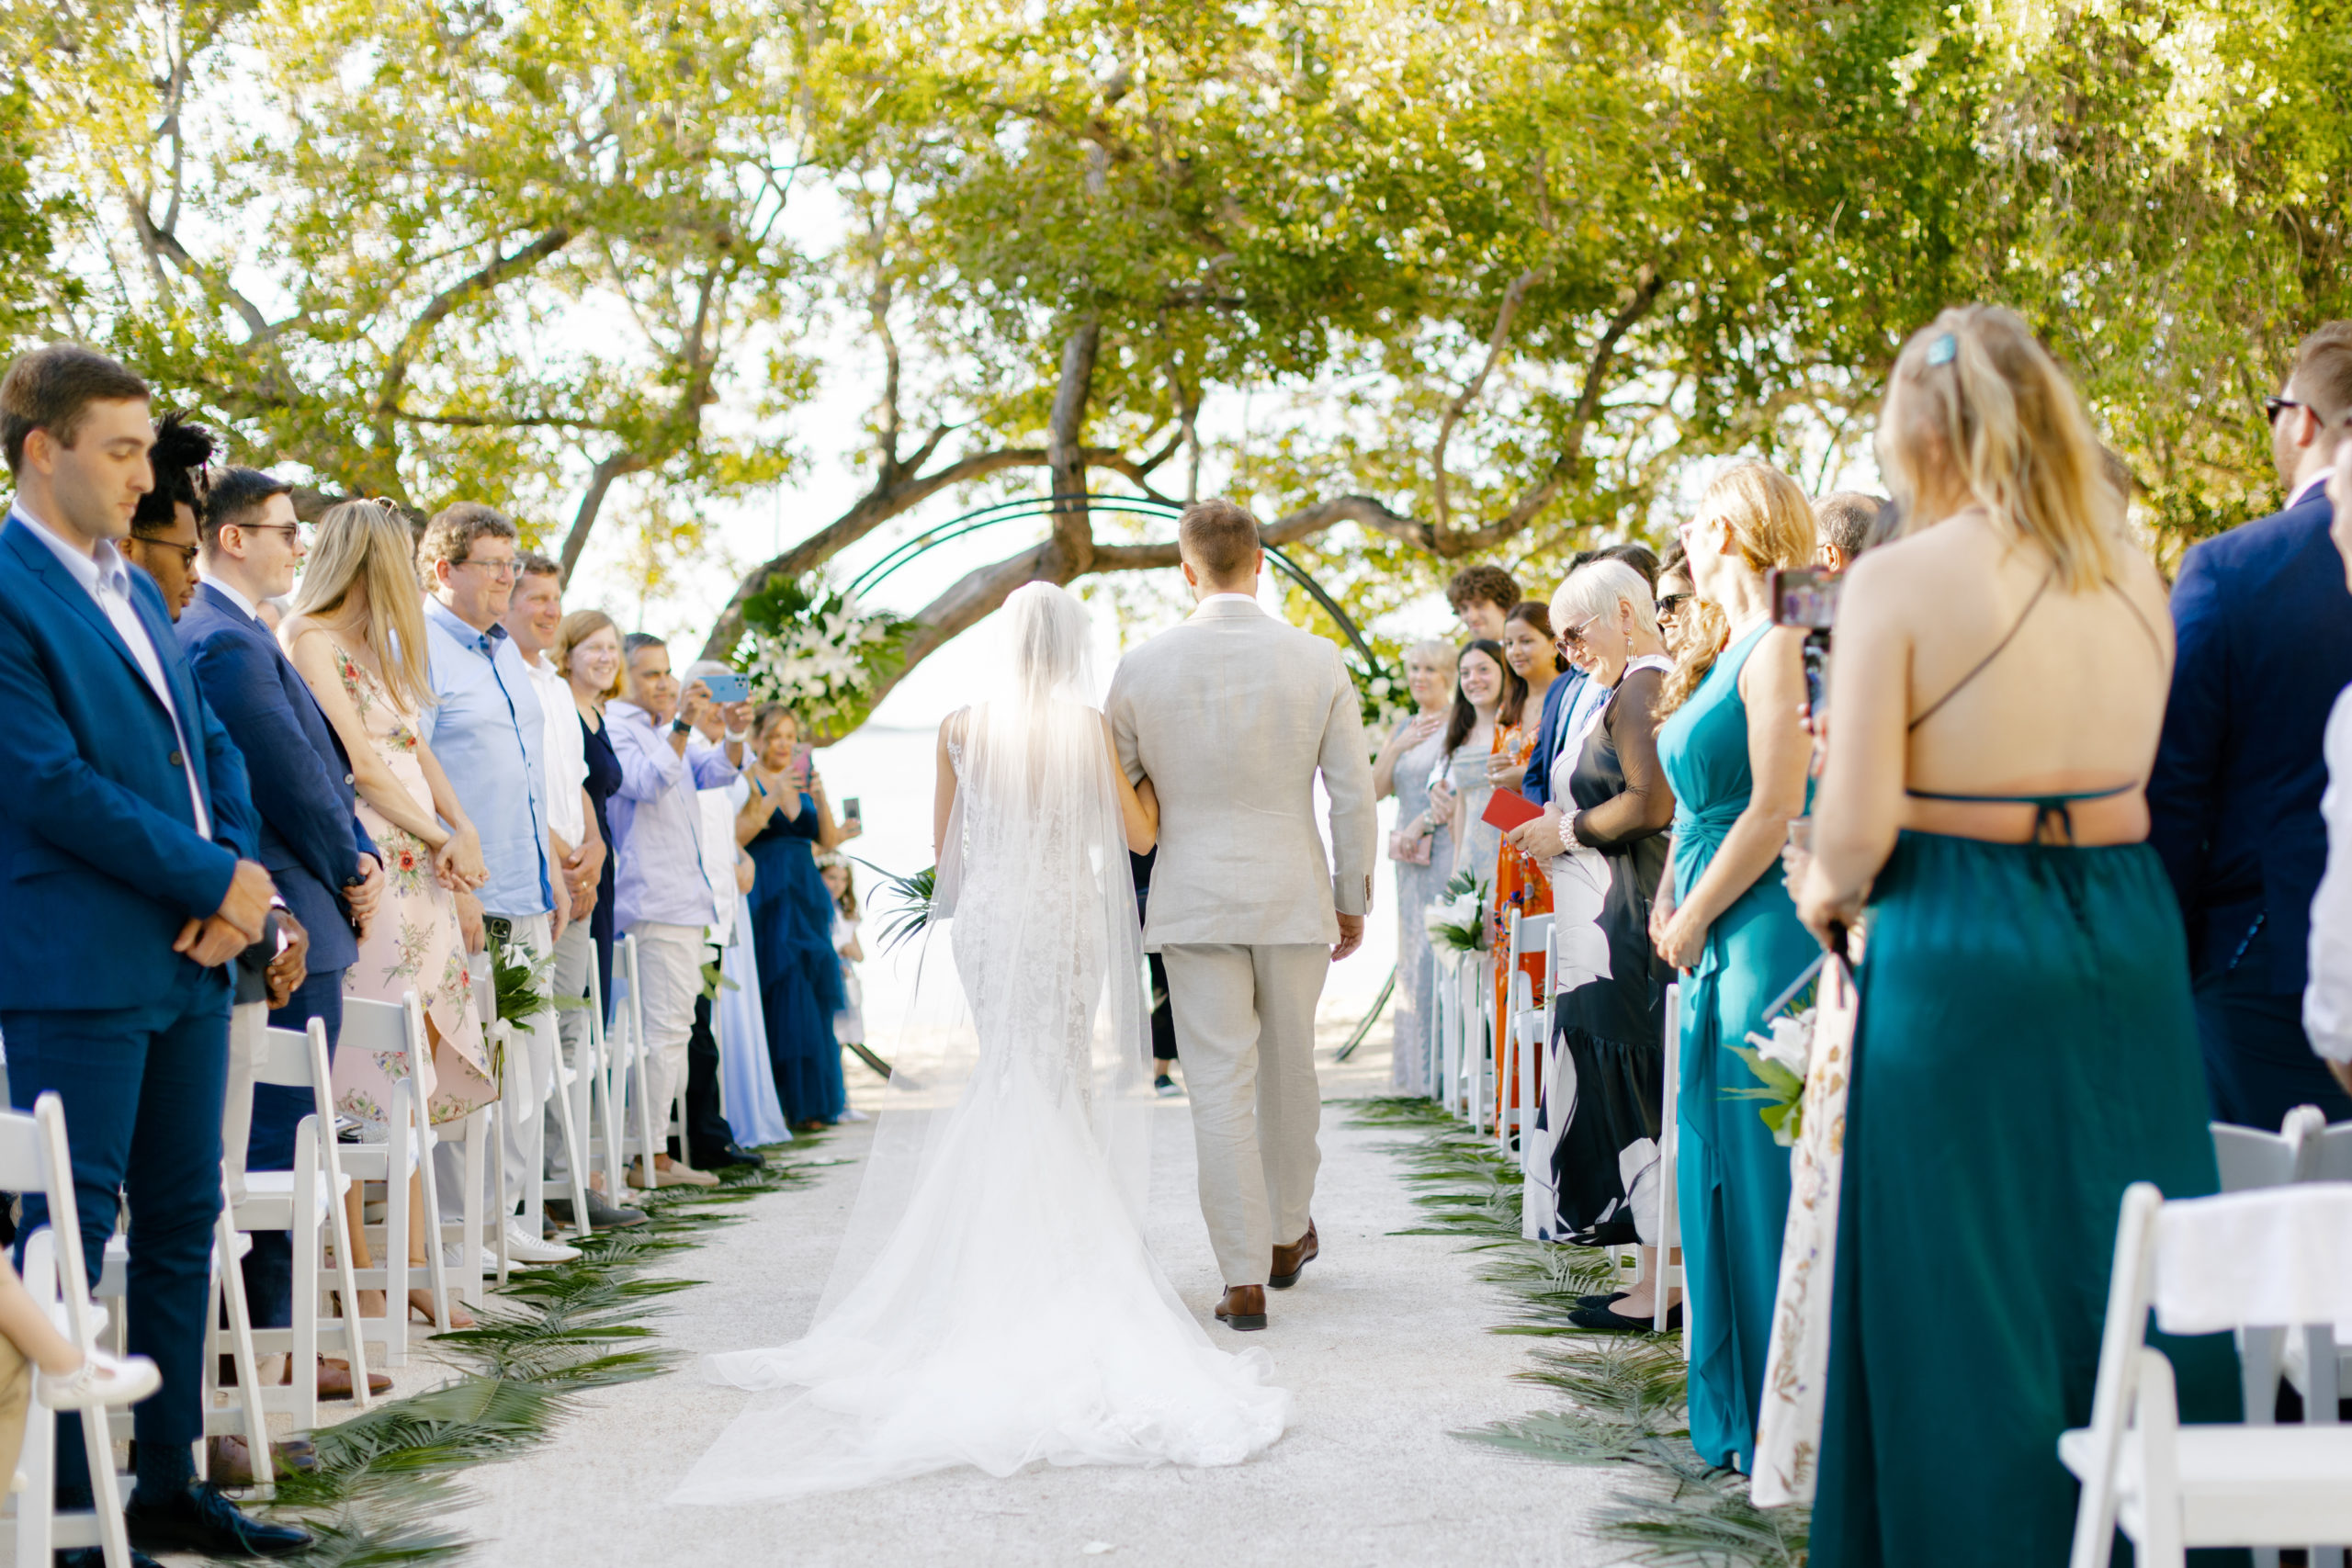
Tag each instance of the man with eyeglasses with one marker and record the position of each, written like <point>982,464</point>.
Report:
<point>325,865</point>
<point>2264,644</point>
<point>162,542</point>
<point>489,732</point>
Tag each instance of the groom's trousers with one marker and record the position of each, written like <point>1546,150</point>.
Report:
<point>1245,1021</point>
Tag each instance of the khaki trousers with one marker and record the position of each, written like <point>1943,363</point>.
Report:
<point>16,1395</point>
<point>1245,1025</point>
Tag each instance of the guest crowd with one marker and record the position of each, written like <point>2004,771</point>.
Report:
<point>363,757</point>
<point>2070,828</point>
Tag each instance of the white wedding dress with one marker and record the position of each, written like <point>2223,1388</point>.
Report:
<point>994,1303</point>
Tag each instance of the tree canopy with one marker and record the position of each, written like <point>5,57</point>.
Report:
<point>1489,276</point>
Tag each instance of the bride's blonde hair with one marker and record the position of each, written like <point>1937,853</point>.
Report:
<point>368,542</point>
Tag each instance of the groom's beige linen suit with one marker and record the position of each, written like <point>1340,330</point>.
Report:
<point>1231,716</point>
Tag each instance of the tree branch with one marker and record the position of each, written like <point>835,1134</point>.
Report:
<point>1512,298</point>
<point>1073,535</point>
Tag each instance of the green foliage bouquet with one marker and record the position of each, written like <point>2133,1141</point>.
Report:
<point>1779,1058</point>
<point>1456,918</point>
<point>807,645</point>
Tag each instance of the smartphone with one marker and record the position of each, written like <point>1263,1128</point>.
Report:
<point>730,687</point>
<point>1805,597</point>
<point>851,811</point>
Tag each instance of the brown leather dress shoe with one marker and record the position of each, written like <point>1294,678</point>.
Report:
<point>1291,1260</point>
<point>335,1380</point>
<point>1244,1306</point>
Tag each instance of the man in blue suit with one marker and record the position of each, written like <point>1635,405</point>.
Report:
<point>2265,631</point>
<point>325,866</point>
<point>126,836</point>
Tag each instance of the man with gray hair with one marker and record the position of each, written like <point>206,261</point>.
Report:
<point>489,732</point>
<point>1233,715</point>
<point>1844,520</point>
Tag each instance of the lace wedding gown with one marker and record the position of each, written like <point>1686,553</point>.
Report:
<point>994,1303</point>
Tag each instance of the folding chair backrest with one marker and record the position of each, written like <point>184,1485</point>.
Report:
<point>2273,1258</point>
<point>24,1156</point>
<point>2250,1157</point>
<point>2328,1156</point>
<point>485,993</point>
<point>284,1059</point>
<point>35,1158</point>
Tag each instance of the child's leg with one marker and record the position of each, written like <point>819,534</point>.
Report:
<point>27,1327</point>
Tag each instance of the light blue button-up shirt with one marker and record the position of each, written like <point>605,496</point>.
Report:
<point>488,733</point>
<point>656,822</point>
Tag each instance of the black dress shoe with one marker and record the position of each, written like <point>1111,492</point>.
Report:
<point>602,1217</point>
<point>202,1519</point>
<point>719,1159</point>
<point>1608,1320</point>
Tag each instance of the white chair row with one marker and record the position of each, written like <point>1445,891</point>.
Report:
<point>2259,1260</point>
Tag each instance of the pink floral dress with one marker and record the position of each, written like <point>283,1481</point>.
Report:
<point>412,945</point>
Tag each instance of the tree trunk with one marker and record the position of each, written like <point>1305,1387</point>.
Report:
<point>1073,538</point>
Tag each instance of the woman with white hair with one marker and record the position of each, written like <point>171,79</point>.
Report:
<point>1604,837</point>
<point>1422,849</point>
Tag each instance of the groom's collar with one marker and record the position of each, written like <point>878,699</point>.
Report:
<point>1227,607</point>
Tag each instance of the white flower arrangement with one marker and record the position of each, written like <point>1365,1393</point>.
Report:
<point>1456,918</point>
<point>819,653</point>
<point>1778,1060</point>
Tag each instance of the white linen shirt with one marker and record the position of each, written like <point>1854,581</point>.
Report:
<point>566,752</point>
<point>2327,996</point>
<point>104,576</point>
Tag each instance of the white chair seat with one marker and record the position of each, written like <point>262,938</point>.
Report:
<point>2252,1485</point>
<point>271,1192</point>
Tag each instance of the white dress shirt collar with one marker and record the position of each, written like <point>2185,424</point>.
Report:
<point>104,563</point>
<point>2319,482</point>
<point>231,594</point>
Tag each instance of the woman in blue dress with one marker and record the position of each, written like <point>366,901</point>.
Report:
<point>2027,1046</point>
<point>783,821</point>
<point>1735,754</point>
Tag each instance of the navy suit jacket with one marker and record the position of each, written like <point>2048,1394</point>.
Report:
<point>98,846</point>
<point>300,777</point>
<point>2264,627</point>
<point>1537,785</point>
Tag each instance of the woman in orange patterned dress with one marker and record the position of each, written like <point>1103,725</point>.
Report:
<point>1520,881</point>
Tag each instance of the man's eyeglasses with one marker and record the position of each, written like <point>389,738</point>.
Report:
<point>499,570</point>
<point>291,530</point>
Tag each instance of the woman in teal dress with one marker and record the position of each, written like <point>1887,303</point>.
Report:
<point>2026,1047</point>
<point>1736,754</point>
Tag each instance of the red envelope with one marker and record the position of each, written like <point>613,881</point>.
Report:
<point>1508,808</point>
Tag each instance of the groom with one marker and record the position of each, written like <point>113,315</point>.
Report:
<point>1231,716</point>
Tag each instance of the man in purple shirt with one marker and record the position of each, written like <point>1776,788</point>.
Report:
<point>661,896</point>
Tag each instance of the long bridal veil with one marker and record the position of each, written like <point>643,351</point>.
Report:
<point>993,1302</point>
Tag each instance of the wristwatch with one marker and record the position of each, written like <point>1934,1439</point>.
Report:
<point>680,726</point>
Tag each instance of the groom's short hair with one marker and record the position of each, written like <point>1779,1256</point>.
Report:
<point>1219,537</point>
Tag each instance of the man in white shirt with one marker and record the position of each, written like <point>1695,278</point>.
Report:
<point>2327,1000</point>
<point>534,616</point>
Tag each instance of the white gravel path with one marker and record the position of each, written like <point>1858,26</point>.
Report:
<point>1384,1343</point>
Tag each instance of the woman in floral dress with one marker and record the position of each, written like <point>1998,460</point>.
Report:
<point>356,634</point>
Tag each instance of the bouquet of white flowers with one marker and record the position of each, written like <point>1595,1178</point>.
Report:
<point>1456,918</point>
<point>1778,1059</point>
<point>812,648</point>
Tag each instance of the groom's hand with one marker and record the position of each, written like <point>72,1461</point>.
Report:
<point>1351,936</point>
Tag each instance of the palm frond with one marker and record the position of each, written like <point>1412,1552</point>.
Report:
<point>915,893</point>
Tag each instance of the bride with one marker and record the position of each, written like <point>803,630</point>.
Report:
<point>993,1302</point>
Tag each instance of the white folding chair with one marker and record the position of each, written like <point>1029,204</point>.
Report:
<point>397,1030</point>
<point>34,1158</point>
<point>301,1202</point>
<point>1669,1149</point>
<point>629,1083</point>
<point>1515,1055</point>
<point>600,1109</point>
<point>484,1155</point>
<point>228,1328</point>
<point>2170,1488</point>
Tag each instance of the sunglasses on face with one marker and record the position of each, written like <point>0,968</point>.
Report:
<point>1573,638</point>
<point>1672,604</point>
<point>2273,406</point>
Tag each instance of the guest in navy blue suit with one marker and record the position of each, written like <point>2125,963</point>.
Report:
<point>129,839</point>
<point>2264,628</point>
<point>325,866</point>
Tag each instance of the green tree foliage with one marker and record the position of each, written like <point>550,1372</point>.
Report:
<point>1487,277</point>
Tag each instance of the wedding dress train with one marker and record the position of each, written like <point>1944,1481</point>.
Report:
<point>994,1303</point>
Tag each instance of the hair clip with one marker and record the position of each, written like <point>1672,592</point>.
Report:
<point>1943,350</point>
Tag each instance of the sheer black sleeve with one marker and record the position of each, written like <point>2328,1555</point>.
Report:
<point>1646,805</point>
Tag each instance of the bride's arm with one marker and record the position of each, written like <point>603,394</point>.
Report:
<point>942,798</point>
<point>1138,803</point>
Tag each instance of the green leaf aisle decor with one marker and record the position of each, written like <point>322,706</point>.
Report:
<point>810,647</point>
<point>389,1479</point>
<point>912,913</point>
<point>1624,1396</point>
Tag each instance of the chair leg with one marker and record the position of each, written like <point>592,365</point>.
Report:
<point>397,1226</point>
<point>355,1338</point>
<point>505,1199</point>
<point>303,1374</point>
<point>241,1350</point>
<point>437,1250</point>
<point>471,1242</point>
<point>106,1489</point>
<point>575,1163</point>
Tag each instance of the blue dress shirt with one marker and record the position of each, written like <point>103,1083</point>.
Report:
<point>488,732</point>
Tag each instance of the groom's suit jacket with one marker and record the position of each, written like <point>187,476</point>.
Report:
<point>1231,716</point>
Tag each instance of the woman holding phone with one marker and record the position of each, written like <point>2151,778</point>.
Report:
<point>784,821</point>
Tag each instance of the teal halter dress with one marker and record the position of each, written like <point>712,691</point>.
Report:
<point>1731,1179</point>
